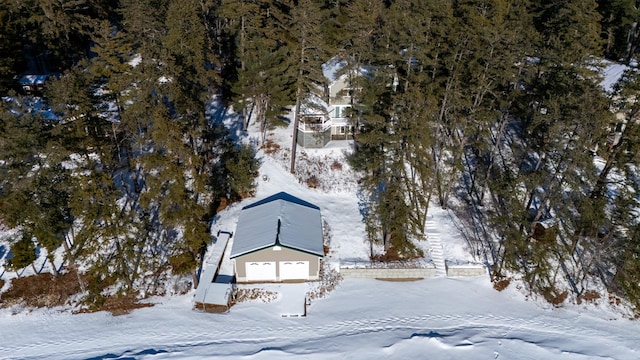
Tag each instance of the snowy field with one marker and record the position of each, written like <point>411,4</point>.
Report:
<point>363,319</point>
<point>436,318</point>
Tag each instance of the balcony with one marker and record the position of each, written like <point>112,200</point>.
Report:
<point>314,124</point>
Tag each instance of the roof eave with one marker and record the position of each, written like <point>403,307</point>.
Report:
<point>284,246</point>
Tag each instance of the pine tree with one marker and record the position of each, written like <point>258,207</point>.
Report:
<point>245,19</point>
<point>53,218</point>
<point>371,155</point>
<point>35,186</point>
<point>145,33</point>
<point>307,55</point>
<point>357,47</point>
<point>613,224</point>
<point>11,62</point>
<point>24,253</point>
<point>559,129</point>
<point>620,28</point>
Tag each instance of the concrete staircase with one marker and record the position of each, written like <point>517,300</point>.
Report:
<point>435,244</point>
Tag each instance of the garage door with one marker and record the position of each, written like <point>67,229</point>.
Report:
<point>261,271</point>
<point>294,270</point>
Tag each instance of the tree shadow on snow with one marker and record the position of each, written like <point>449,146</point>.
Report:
<point>129,355</point>
<point>218,114</point>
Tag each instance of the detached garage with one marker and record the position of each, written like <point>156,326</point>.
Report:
<point>278,239</point>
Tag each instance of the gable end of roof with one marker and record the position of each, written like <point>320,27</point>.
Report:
<point>270,246</point>
<point>282,196</point>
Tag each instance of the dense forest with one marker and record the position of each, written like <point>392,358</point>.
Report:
<point>491,108</point>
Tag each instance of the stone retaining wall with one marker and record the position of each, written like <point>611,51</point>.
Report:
<point>466,271</point>
<point>384,273</point>
<point>411,273</point>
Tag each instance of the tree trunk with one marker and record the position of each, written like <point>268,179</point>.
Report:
<point>194,277</point>
<point>67,250</point>
<point>632,40</point>
<point>245,123</point>
<point>296,118</point>
<point>386,238</point>
<point>294,141</point>
<point>483,188</point>
<point>80,281</point>
<point>599,188</point>
<point>53,265</point>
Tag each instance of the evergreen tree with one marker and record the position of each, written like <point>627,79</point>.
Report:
<point>619,28</point>
<point>307,55</point>
<point>24,253</point>
<point>245,19</point>
<point>262,86</point>
<point>56,33</point>
<point>35,186</point>
<point>357,47</point>
<point>11,62</point>
<point>613,225</point>
<point>238,169</point>
<point>143,23</point>
<point>559,131</point>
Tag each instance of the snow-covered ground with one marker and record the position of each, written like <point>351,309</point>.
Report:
<point>438,318</point>
<point>363,319</point>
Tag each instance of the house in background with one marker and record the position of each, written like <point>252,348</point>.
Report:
<point>32,84</point>
<point>325,113</point>
<point>278,239</point>
<point>314,129</point>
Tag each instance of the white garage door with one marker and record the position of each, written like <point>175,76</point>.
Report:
<point>261,271</point>
<point>294,270</point>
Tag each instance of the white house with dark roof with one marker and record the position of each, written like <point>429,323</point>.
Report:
<point>278,239</point>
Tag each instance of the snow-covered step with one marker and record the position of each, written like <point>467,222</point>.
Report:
<point>437,253</point>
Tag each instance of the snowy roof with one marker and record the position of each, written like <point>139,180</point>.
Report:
<point>207,292</point>
<point>33,79</point>
<point>281,219</point>
<point>214,293</point>
<point>612,73</point>
<point>331,69</point>
<point>313,105</point>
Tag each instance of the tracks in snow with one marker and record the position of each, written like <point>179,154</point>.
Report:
<point>252,336</point>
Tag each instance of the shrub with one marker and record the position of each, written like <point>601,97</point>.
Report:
<point>329,280</point>
<point>614,300</point>
<point>42,290</point>
<point>252,294</point>
<point>554,297</point>
<point>589,296</point>
<point>117,304</point>
<point>501,284</point>
<point>270,147</point>
<point>336,165</point>
<point>313,182</point>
